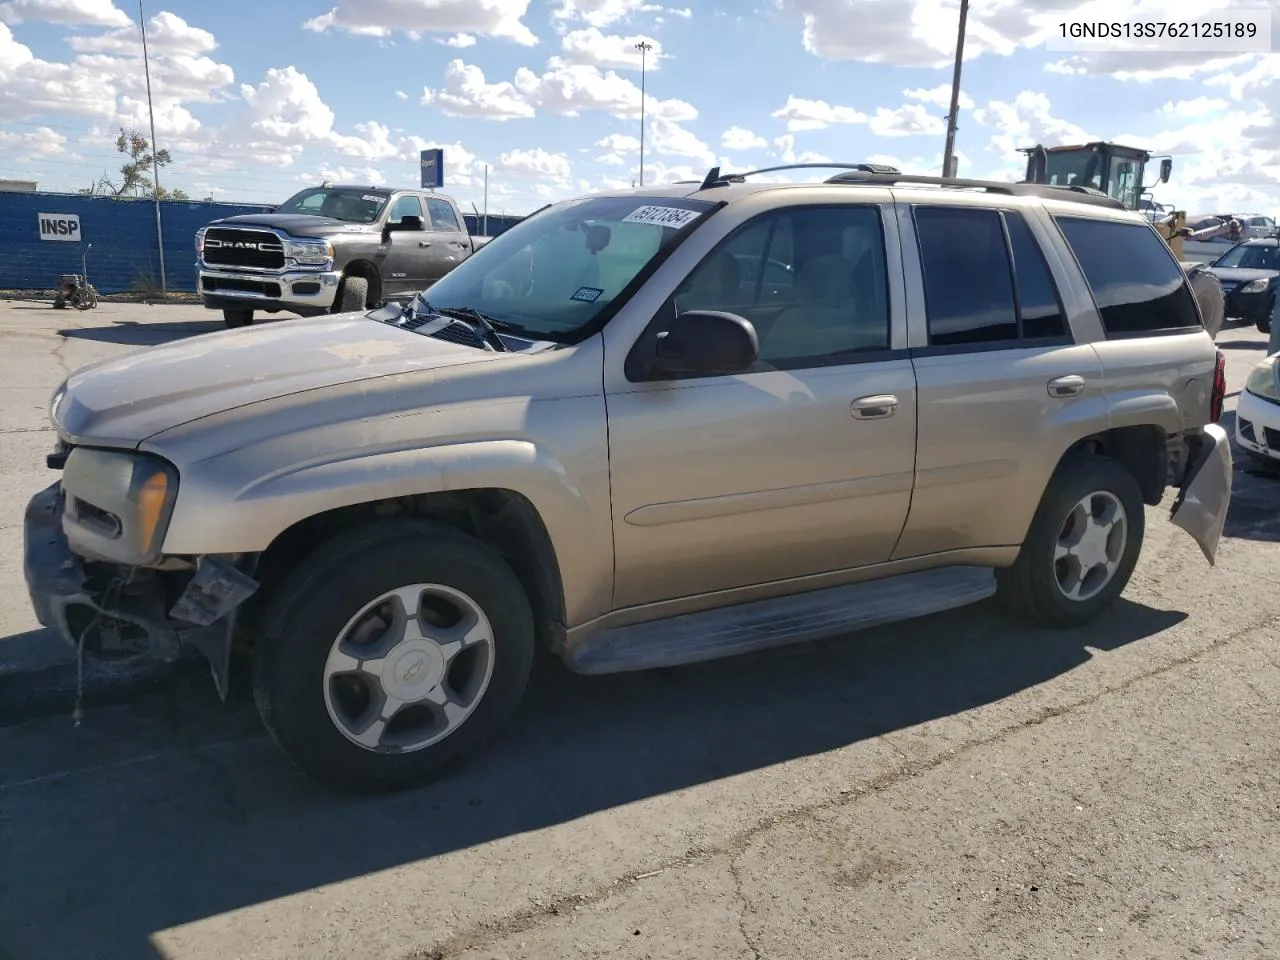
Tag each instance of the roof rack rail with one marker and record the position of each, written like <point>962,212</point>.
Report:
<point>715,178</point>
<point>1072,193</point>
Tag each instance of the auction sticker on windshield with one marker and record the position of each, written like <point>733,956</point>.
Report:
<point>673,217</point>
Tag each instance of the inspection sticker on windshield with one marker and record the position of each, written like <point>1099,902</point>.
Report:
<point>587,294</point>
<point>371,199</point>
<point>673,217</point>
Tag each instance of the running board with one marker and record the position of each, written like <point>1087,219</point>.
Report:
<point>761,624</point>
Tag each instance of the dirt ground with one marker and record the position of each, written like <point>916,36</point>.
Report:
<point>955,787</point>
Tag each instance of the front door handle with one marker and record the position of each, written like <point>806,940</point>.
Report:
<point>424,243</point>
<point>874,408</point>
<point>1068,386</point>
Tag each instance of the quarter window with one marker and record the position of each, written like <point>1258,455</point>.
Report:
<point>1136,283</point>
<point>812,281</point>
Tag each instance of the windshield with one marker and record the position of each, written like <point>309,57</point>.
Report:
<point>351,205</point>
<point>554,273</point>
<point>1251,257</point>
<point>1074,168</point>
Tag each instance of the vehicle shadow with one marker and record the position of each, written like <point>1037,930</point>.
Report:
<point>1241,345</point>
<point>128,333</point>
<point>97,863</point>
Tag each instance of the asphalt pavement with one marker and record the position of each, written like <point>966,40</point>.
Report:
<point>958,786</point>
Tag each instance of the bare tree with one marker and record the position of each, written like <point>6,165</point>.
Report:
<point>136,173</point>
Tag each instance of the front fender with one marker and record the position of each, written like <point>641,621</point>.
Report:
<point>206,521</point>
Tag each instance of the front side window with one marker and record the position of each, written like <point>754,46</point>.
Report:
<point>346,204</point>
<point>555,272</point>
<point>812,281</point>
<point>406,206</point>
<point>1136,283</point>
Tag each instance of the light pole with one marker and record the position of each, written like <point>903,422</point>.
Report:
<point>644,47</point>
<point>155,166</point>
<point>948,154</point>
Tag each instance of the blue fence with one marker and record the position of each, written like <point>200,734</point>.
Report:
<point>34,250</point>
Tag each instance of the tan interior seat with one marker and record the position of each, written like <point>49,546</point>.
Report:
<point>828,318</point>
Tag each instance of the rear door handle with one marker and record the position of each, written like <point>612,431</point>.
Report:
<point>874,408</point>
<point>1068,386</point>
<point>424,243</point>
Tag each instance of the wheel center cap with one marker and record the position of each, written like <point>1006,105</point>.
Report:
<point>1093,548</point>
<point>413,670</point>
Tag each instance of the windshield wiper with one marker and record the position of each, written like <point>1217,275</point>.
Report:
<point>486,327</point>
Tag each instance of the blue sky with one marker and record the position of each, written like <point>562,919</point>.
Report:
<point>255,100</point>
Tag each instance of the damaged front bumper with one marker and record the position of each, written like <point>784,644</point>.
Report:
<point>1205,495</point>
<point>111,611</point>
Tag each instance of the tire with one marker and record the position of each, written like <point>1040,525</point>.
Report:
<point>237,318</point>
<point>1031,586</point>
<point>302,706</point>
<point>1264,324</point>
<point>353,295</point>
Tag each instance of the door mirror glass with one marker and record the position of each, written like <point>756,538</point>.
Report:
<point>708,342</point>
<point>1166,168</point>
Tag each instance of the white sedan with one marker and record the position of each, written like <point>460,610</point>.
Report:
<point>1258,412</point>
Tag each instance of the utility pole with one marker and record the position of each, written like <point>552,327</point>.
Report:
<point>948,155</point>
<point>644,47</point>
<point>155,166</point>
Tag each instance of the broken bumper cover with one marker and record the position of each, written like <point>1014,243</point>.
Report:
<point>128,600</point>
<point>1201,506</point>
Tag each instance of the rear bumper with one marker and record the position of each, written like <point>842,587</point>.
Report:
<point>301,291</point>
<point>1205,496</point>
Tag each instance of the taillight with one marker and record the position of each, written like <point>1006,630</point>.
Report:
<point>1219,395</point>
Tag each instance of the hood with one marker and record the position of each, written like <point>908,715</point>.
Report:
<point>124,401</point>
<point>297,224</point>
<point>1242,275</point>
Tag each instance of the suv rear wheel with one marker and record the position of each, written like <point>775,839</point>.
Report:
<point>1081,547</point>
<point>391,652</point>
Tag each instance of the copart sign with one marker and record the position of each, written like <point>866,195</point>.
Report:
<point>60,226</point>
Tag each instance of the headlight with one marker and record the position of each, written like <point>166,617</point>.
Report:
<point>119,504</point>
<point>1255,286</point>
<point>56,401</point>
<point>200,240</point>
<point>309,251</point>
<point>1262,381</point>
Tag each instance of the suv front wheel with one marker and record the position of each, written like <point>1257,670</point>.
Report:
<point>392,651</point>
<point>1081,547</point>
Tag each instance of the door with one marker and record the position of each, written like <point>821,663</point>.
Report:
<point>1003,389</point>
<point>449,236</point>
<point>407,263</point>
<point>801,466</point>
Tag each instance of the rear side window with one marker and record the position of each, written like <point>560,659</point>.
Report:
<point>1038,303</point>
<point>1135,281</point>
<point>442,216</point>
<point>968,286</point>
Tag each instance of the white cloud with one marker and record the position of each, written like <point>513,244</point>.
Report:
<point>786,144</point>
<point>939,96</point>
<point>466,93</point>
<point>536,163</point>
<point>909,120</point>
<point>571,89</point>
<point>601,13</point>
<point>803,114</point>
<point>167,33</point>
<point>590,46</point>
<point>1197,107</point>
<point>40,142</point>
<point>618,147</point>
<point>672,140</point>
<point>401,95</point>
<point>364,176</point>
<point>383,18</point>
<point>32,87</point>
<point>738,138</point>
<point>459,41</point>
<point>1024,122</point>
<point>94,13</point>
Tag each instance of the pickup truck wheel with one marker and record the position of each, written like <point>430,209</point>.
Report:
<point>237,318</point>
<point>1081,547</point>
<point>392,652</point>
<point>353,295</point>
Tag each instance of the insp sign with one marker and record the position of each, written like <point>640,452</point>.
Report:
<point>60,226</point>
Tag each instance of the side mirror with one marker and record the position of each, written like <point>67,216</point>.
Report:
<point>405,223</point>
<point>708,341</point>
<point>1166,168</point>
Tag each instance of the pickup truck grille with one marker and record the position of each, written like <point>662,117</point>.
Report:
<point>224,247</point>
